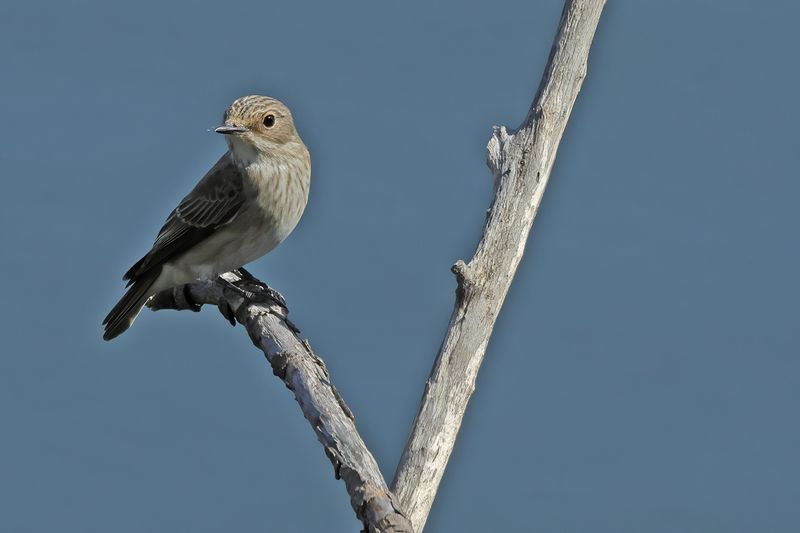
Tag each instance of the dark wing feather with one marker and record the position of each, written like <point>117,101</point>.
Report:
<point>214,202</point>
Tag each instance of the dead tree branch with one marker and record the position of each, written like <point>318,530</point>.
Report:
<point>305,374</point>
<point>520,163</point>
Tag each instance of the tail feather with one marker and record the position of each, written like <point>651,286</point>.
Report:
<point>127,309</point>
<point>130,275</point>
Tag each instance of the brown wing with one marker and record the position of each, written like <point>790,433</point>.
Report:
<point>213,203</point>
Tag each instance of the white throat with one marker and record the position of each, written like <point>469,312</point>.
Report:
<point>244,152</point>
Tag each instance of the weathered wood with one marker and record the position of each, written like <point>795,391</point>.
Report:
<point>305,374</point>
<point>520,163</point>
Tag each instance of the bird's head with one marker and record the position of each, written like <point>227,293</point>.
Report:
<point>258,125</point>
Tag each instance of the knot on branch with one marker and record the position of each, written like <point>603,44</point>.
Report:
<point>279,362</point>
<point>496,152</point>
<point>463,278</point>
<point>459,268</point>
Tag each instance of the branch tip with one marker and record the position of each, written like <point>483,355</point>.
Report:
<point>279,362</point>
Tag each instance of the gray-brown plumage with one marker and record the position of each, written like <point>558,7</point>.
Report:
<point>246,205</point>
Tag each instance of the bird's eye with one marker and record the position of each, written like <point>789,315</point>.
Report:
<point>269,121</point>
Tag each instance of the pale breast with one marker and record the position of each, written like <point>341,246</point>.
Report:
<point>276,186</point>
<point>280,187</point>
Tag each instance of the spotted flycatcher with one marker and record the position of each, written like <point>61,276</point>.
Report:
<point>249,202</point>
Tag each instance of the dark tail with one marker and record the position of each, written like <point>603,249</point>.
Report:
<point>125,312</point>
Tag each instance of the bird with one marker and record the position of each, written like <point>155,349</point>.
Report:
<point>244,207</point>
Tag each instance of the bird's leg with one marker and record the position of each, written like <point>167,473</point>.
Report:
<point>255,291</point>
<point>267,291</point>
<point>234,286</point>
<point>263,293</point>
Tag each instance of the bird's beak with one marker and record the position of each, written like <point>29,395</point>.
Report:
<point>230,130</point>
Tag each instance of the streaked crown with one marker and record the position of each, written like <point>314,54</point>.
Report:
<point>264,117</point>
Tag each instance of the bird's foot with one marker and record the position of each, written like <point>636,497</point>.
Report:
<point>256,290</point>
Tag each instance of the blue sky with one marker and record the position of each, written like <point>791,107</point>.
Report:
<point>644,372</point>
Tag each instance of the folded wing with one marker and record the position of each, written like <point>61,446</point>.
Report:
<point>213,203</point>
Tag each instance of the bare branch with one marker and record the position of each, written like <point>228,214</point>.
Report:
<point>305,374</point>
<point>520,163</point>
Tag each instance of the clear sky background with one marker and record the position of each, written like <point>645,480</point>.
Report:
<point>643,375</point>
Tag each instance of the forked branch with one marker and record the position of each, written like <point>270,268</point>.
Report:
<point>520,162</point>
